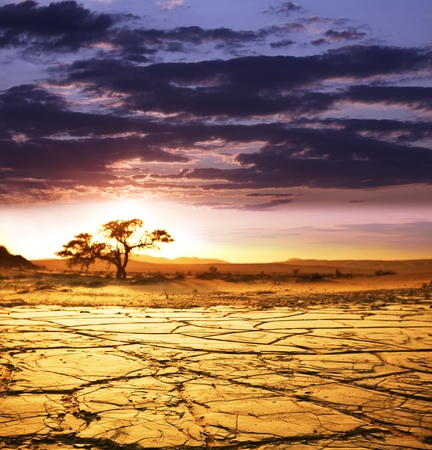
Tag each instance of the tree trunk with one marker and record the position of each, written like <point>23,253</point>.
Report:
<point>121,273</point>
<point>125,262</point>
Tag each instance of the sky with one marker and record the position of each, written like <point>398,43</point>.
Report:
<point>251,130</point>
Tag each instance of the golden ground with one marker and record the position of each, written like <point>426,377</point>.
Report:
<point>183,286</point>
<point>314,355</point>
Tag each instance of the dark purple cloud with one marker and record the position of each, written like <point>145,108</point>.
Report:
<point>247,86</point>
<point>395,130</point>
<point>261,72</point>
<point>413,97</point>
<point>59,26</point>
<point>137,43</point>
<point>331,36</point>
<point>41,139</point>
<point>267,205</point>
<point>337,159</point>
<point>270,195</point>
<point>35,112</point>
<point>282,44</point>
<point>194,35</point>
<point>273,122</point>
<point>68,26</point>
<point>285,8</point>
<point>53,158</point>
<point>325,159</point>
<point>290,156</point>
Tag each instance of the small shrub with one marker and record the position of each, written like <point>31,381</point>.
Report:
<point>381,273</point>
<point>309,277</point>
<point>212,274</point>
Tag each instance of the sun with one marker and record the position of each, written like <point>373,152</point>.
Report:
<point>155,215</point>
<point>53,225</point>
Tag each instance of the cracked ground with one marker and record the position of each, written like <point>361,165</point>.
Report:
<point>227,377</point>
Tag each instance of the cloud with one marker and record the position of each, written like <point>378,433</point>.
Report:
<point>270,194</point>
<point>276,200</point>
<point>181,39</point>
<point>324,159</point>
<point>420,227</point>
<point>44,139</point>
<point>386,129</point>
<point>246,86</point>
<point>412,235</point>
<point>58,26</point>
<point>170,4</point>
<point>285,8</point>
<point>282,44</point>
<point>53,158</point>
<point>331,36</point>
<point>116,116</point>
<point>67,26</point>
<point>413,97</point>
<point>266,206</point>
<point>34,112</point>
<point>43,143</point>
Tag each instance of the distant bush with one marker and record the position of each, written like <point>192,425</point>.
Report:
<point>309,277</point>
<point>211,274</point>
<point>380,273</point>
<point>214,274</point>
<point>339,274</point>
<point>207,276</point>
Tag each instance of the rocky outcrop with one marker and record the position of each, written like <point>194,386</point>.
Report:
<point>14,261</point>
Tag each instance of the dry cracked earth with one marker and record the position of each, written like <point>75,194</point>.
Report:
<point>136,378</point>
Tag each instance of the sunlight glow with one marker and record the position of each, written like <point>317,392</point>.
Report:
<point>338,230</point>
<point>54,225</point>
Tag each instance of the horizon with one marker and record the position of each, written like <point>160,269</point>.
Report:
<point>153,259</point>
<point>252,133</point>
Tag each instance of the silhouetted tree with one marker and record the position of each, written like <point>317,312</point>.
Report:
<point>120,238</point>
<point>79,251</point>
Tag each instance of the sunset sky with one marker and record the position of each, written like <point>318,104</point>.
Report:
<point>252,130</point>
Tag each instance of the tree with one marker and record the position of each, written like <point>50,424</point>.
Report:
<point>120,238</point>
<point>79,251</point>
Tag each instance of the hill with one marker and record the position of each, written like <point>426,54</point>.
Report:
<point>362,265</point>
<point>180,260</point>
<point>10,261</point>
<point>303,266</point>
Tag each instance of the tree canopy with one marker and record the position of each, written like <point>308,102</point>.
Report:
<point>118,240</point>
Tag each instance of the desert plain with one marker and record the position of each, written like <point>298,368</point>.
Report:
<point>295,355</point>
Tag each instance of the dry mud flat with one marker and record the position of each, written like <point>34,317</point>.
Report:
<point>357,377</point>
